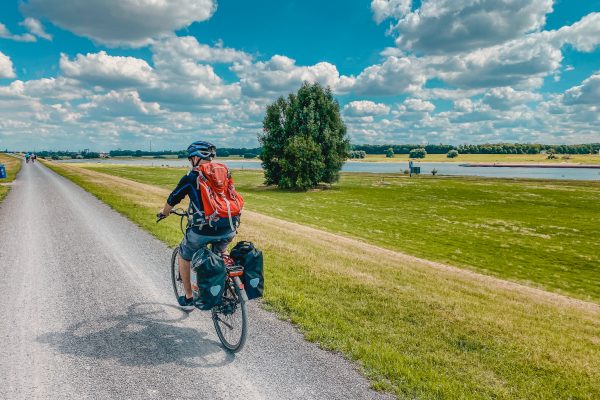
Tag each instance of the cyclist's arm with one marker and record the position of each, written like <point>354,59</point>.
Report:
<point>182,190</point>
<point>166,209</point>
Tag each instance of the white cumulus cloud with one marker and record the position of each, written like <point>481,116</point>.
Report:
<point>6,66</point>
<point>119,104</point>
<point>106,70</point>
<point>364,108</point>
<point>520,63</point>
<point>417,105</point>
<point>584,35</point>
<point>35,26</point>
<point>188,48</point>
<point>121,22</point>
<point>281,75</point>
<point>505,98</point>
<point>456,25</point>
<point>6,34</point>
<point>384,9</point>
<point>586,93</point>
<point>396,75</point>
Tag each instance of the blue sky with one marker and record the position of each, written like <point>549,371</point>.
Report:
<point>106,74</point>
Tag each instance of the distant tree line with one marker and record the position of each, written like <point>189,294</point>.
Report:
<point>141,153</point>
<point>360,151</point>
<point>67,154</point>
<point>221,152</point>
<point>496,148</point>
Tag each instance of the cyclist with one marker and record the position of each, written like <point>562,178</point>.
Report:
<point>199,233</point>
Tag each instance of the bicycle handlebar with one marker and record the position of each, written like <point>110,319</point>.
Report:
<point>179,212</point>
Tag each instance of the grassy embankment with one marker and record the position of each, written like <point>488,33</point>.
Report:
<point>418,329</point>
<point>491,158</point>
<point>542,233</point>
<point>13,165</point>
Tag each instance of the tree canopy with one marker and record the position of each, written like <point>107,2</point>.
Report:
<point>304,139</point>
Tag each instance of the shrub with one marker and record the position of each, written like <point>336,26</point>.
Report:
<point>249,155</point>
<point>357,154</point>
<point>452,154</point>
<point>389,153</point>
<point>418,153</point>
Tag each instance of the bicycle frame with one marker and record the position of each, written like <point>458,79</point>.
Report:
<point>234,296</point>
<point>233,274</point>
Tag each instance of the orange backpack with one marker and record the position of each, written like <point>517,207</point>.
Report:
<point>219,197</point>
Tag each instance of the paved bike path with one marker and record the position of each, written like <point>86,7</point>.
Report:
<point>86,312</point>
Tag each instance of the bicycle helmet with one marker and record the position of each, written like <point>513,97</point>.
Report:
<point>204,150</point>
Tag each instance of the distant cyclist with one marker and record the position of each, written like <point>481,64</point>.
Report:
<point>202,230</point>
<point>27,157</point>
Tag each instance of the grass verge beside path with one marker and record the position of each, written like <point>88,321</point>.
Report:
<point>541,233</point>
<point>417,330</point>
<point>13,166</point>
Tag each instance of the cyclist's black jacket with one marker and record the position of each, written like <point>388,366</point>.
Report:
<point>188,186</point>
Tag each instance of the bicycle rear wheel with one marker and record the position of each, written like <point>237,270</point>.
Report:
<point>175,277</point>
<point>230,319</point>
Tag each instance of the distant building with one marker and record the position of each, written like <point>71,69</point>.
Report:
<point>104,155</point>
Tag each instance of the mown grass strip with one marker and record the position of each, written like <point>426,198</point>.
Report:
<point>417,331</point>
<point>13,166</point>
<point>541,233</point>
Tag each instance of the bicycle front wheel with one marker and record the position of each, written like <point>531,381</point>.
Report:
<point>231,320</point>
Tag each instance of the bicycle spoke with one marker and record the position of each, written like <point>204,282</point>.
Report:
<point>230,320</point>
<point>225,323</point>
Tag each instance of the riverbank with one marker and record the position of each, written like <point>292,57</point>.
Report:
<point>491,158</point>
<point>427,168</point>
<point>524,165</point>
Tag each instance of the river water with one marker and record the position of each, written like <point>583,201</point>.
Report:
<point>443,168</point>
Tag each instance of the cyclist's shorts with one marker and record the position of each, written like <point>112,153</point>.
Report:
<point>192,242</point>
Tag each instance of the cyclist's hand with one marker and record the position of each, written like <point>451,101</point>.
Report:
<point>160,216</point>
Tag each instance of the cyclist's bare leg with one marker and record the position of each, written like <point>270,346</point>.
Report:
<point>185,268</point>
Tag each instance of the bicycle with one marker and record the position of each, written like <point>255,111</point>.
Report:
<point>230,316</point>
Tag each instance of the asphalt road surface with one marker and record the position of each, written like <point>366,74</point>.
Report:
<point>87,312</point>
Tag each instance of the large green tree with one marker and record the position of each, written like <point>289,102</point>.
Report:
<point>304,139</point>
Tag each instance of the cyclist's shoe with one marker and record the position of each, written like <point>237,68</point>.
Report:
<point>185,303</point>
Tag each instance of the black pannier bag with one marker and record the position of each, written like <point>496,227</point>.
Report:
<point>211,273</point>
<point>248,256</point>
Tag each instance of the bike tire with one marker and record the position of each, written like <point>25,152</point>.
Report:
<point>175,278</point>
<point>238,344</point>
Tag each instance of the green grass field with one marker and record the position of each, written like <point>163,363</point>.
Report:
<point>416,330</point>
<point>13,166</point>
<point>542,233</point>
<point>499,158</point>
